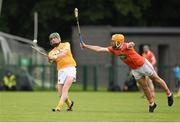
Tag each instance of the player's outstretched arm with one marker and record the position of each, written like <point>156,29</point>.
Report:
<point>95,48</point>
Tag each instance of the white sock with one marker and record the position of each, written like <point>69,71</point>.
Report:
<point>169,94</point>
<point>151,104</point>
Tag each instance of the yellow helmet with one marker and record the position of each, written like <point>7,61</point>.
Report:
<point>117,38</point>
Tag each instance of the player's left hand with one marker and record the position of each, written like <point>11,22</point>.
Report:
<point>131,44</point>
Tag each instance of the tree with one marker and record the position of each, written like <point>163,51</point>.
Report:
<point>57,15</point>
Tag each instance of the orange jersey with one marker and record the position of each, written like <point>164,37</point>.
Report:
<point>66,61</point>
<point>128,56</point>
<point>149,55</point>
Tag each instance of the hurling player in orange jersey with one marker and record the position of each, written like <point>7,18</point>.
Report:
<point>149,55</point>
<point>66,67</point>
<point>139,65</point>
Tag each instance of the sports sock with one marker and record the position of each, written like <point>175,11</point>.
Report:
<point>169,94</point>
<point>60,105</point>
<point>68,102</point>
<point>151,104</point>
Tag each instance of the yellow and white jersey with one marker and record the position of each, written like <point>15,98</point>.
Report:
<point>66,61</point>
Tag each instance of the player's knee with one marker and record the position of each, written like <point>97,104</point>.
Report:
<point>155,77</point>
<point>158,79</point>
<point>145,86</point>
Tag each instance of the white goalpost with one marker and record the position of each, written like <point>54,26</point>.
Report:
<point>14,47</point>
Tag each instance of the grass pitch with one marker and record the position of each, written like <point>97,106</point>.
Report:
<point>89,106</point>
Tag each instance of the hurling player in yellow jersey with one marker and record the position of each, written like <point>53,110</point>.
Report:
<point>66,67</point>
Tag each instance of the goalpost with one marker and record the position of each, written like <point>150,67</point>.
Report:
<point>0,5</point>
<point>14,47</point>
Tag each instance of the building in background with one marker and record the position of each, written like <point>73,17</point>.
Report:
<point>164,42</point>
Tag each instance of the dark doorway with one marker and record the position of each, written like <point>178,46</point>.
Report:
<point>163,62</point>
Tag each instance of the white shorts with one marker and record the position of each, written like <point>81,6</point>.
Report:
<point>145,70</point>
<point>63,73</point>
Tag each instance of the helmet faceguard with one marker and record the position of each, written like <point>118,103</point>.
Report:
<point>115,45</point>
<point>52,36</point>
<point>117,40</point>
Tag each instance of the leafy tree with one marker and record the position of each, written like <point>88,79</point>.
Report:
<point>57,15</point>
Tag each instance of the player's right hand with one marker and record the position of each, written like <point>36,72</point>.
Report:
<point>82,45</point>
<point>52,58</point>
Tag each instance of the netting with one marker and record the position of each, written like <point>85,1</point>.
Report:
<point>30,68</point>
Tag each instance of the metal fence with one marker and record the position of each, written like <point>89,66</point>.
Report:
<point>92,77</point>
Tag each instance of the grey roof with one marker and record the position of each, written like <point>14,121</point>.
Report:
<point>146,30</point>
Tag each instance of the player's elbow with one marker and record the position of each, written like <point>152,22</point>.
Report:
<point>154,63</point>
